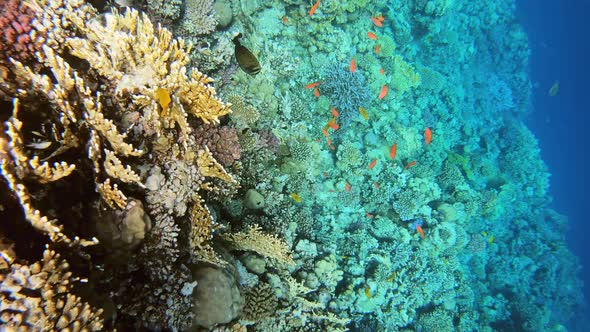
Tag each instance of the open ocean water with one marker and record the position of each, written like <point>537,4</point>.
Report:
<point>560,52</point>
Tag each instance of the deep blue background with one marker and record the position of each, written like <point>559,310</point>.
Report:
<point>559,34</point>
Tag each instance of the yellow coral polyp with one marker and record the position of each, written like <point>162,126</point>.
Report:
<point>163,98</point>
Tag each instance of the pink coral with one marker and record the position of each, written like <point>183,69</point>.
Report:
<point>221,141</point>
<point>15,25</point>
<point>268,140</point>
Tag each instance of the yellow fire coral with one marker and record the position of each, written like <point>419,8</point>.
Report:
<point>146,62</point>
<point>263,244</point>
<point>37,297</point>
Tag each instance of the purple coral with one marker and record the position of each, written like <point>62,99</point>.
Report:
<point>268,140</point>
<point>15,25</point>
<point>221,141</point>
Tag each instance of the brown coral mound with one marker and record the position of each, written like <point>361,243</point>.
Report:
<point>221,141</point>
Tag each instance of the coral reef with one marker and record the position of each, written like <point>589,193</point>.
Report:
<point>282,208</point>
<point>37,296</point>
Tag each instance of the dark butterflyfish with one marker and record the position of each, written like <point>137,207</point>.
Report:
<point>246,59</point>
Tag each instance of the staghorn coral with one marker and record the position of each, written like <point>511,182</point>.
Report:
<point>37,297</point>
<point>152,53</point>
<point>347,91</point>
<point>16,166</point>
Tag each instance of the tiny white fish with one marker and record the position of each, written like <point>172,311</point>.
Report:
<point>39,145</point>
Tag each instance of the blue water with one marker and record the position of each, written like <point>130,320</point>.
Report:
<point>560,47</point>
<point>560,122</point>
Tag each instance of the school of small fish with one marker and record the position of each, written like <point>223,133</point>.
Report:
<point>333,125</point>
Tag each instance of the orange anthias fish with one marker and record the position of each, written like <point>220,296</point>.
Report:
<point>285,19</point>
<point>352,65</point>
<point>376,185</point>
<point>377,22</point>
<point>373,163</point>
<point>334,112</point>
<point>371,35</point>
<point>383,92</point>
<point>393,151</point>
<point>312,85</point>
<point>382,71</point>
<point>380,18</point>
<point>333,125</point>
<point>377,48</point>
<point>427,135</point>
<point>420,230</point>
<point>314,8</point>
<point>368,292</point>
<point>316,92</point>
<point>410,164</point>
<point>347,186</point>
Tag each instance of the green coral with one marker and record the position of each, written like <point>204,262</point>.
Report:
<point>349,156</point>
<point>463,162</point>
<point>388,45</point>
<point>404,75</point>
<point>438,320</point>
<point>412,201</point>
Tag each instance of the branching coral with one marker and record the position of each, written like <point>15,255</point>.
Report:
<point>347,91</point>
<point>266,245</point>
<point>37,297</point>
<point>198,17</point>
